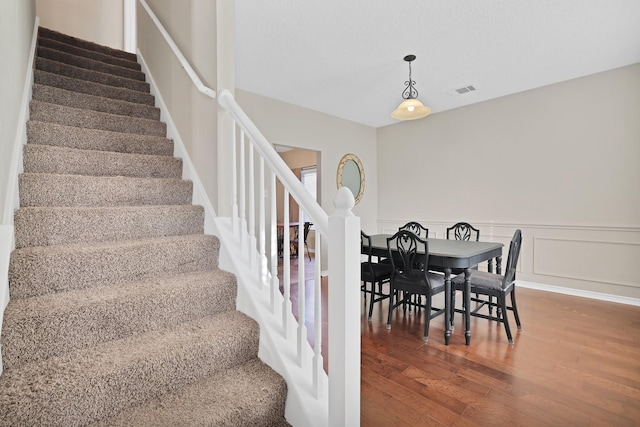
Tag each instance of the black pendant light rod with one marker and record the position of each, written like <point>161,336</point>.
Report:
<point>410,92</point>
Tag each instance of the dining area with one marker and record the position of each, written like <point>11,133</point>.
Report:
<point>409,269</point>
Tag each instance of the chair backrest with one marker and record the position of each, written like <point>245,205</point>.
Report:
<point>365,244</point>
<point>512,259</point>
<point>409,255</point>
<point>416,228</point>
<point>463,231</point>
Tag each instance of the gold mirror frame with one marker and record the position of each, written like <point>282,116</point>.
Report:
<point>349,161</point>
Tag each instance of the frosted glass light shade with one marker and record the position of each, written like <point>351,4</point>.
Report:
<point>410,109</point>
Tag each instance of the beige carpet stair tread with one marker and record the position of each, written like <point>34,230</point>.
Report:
<point>52,34</point>
<point>89,64</point>
<point>39,189</point>
<point>63,160</point>
<point>54,95</point>
<point>54,324</point>
<point>41,270</point>
<point>231,400</point>
<point>69,116</point>
<point>68,70</point>
<point>47,226</point>
<point>87,53</point>
<point>92,88</point>
<point>123,373</point>
<point>45,133</point>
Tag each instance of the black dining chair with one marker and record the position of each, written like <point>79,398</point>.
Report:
<point>294,242</point>
<point>420,231</point>
<point>409,255</point>
<point>374,273</point>
<point>463,231</point>
<point>416,228</point>
<point>496,285</point>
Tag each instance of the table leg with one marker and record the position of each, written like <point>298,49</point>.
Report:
<point>499,264</point>
<point>467,305</point>
<point>447,305</point>
<point>490,262</point>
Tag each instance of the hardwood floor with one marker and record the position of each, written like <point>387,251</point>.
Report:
<point>575,362</point>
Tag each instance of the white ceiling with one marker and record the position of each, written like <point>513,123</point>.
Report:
<point>345,57</point>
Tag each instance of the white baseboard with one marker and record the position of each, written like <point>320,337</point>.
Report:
<point>580,293</point>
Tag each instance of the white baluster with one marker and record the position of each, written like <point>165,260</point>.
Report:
<point>302,327</point>
<point>275,282</point>
<point>243,214</point>
<point>286,261</point>
<point>252,212</point>
<point>234,182</point>
<point>318,362</point>
<point>262,223</point>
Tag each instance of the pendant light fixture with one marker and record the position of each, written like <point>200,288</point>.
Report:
<point>410,108</point>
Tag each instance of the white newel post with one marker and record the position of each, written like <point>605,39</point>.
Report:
<point>344,312</point>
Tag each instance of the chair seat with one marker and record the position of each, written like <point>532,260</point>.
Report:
<point>480,279</point>
<point>412,285</point>
<point>380,271</point>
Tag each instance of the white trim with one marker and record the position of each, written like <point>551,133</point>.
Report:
<point>130,26</point>
<point>12,198</point>
<point>626,229</point>
<point>580,293</point>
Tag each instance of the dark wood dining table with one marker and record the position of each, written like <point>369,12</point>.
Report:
<point>447,255</point>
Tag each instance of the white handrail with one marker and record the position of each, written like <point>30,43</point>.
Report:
<point>211,93</point>
<point>318,216</point>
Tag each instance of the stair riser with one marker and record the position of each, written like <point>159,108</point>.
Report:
<point>57,394</point>
<point>90,75</point>
<point>47,190</point>
<point>39,271</point>
<point>91,139</point>
<point>90,54</point>
<point>57,160</point>
<point>63,327</point>
<point>47,33</point>
<point>68,98</point>
<point>63,226</point>
<point>69,116</point>
<point>89,64</point>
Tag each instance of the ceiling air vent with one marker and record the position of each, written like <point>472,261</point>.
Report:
<point>462,90</point>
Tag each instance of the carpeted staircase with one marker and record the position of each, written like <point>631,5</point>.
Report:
<point>119,314</point>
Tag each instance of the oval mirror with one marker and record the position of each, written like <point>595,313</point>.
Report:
<point>351,175</point>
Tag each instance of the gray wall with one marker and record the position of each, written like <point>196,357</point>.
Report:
<point>16,29</point>
<point>192,25</point>
<point>560,162</point>
<point>99,21</point>
<point>293,126</point>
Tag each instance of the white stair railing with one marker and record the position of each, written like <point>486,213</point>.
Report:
<point>341,231</point>
<point>257,241</point>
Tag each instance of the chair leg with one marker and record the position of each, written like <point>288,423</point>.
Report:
<point>427,319</point>
<point>371,300</point>
<point>453,305</point>
<point>515,308</point>
<point>392,293</point>
<point>505,318</point>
